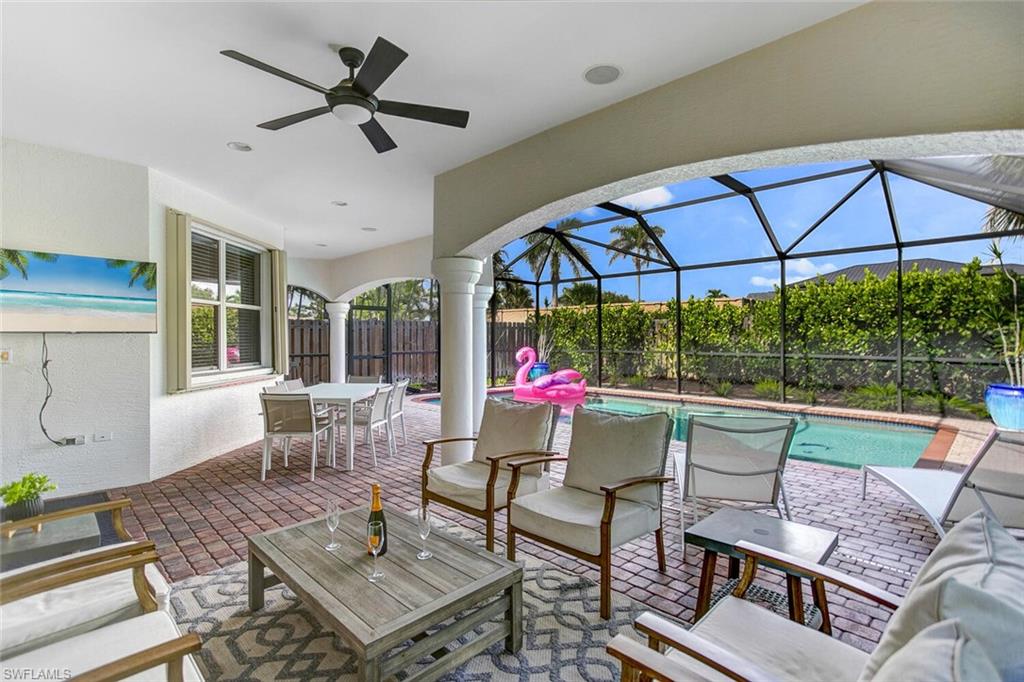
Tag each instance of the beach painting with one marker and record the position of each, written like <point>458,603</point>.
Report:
<point>59,292</point>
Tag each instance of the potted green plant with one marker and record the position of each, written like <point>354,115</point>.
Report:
<point>22,498</point>
<point>1005,402</point>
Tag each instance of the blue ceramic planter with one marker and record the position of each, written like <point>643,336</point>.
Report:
<point>1006,405</point>
<point>538,370</point>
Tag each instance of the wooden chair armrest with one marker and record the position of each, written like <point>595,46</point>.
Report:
<point>815,571</point>
<point>85,566</point>
<point>452,439</point>
<point>496,461</point>
<point>519,453</point>
<point>516,466</point>
<point>171,652</point>
<point>648,663</point>
<point>8,528</point>
<point>630,482</point>
<point>663,632</point>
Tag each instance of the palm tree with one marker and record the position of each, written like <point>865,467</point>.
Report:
<point>510,294</point>
<point>1008,170</point>
<point>12,258</point>
<point>634,238</point>
<point>139,270</point>
<point>716,293</point>
<point>553,253</point>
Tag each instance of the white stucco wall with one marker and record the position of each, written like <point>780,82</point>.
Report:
<point>63,202</point>
<point>187,428</point>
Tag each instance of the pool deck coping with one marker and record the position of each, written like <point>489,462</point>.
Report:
<point>952,435</point>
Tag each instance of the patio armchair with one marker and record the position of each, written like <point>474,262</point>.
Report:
<point>149,645</point>
<point>734,457</point>
<point>993,480</point>
<point>480,487</point>
<point>961,619</point>
<point>65,611</point>
<point>292,415</point>
<point>611,494</point>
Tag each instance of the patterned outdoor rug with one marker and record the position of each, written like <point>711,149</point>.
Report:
<point>564,637</point>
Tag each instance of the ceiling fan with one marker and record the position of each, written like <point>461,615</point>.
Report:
<point>352,99</point>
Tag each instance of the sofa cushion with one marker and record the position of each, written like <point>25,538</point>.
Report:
<point>66,611</point>
<point>93,649</point>
<point>607,448</point>
<point>572,517</point>
<point>465,482</point>
<point>509,426</point>
<point>940,653</point>
<point>782,648</point>
<point>975,575</point>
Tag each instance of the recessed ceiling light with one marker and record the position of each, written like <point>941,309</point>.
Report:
<point>319,244</point>
<point>340,203</point>
<point>239,147</point>
<point>368,229</point>
<point>602,74</point>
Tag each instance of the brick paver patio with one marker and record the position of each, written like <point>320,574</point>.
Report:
<point>199,519</point>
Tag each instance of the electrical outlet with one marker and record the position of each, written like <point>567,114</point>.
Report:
<point>73,440</point>
<point>5,356</point>
<point>102,437</point>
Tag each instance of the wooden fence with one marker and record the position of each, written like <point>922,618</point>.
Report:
<point>309,351</point>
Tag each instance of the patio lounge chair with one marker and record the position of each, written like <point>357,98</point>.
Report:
<point>993,481</point>
<point>62,612</point>
<point>508,430</point>
<point>962,619</point>
<point>147,646</point>
<point>734,457</point>
<point>611,493</point>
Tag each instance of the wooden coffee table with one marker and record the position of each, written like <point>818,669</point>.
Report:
<point>376,618</point>
<point>726,527</point>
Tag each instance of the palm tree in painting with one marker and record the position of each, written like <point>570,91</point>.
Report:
<point>554,253</point>
<point>140,270</point>
<point>12,259</point>
<point>634,238</point>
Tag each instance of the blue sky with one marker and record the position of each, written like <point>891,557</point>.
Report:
<point>728,229</point>
<point>76,275</point>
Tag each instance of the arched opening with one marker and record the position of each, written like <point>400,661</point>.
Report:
<point>394,332</point>
<point>859,284</point>
<point>309,336</point>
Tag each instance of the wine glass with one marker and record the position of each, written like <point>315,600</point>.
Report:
<point>375,540</point>
<point>423,520</point>
<point>333,519</point>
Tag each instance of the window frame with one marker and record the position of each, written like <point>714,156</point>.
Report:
<point>224,370</point>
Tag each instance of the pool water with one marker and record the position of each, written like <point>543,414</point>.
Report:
<point>840,442</point>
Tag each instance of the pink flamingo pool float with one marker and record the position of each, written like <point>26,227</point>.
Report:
<point>567,387</point>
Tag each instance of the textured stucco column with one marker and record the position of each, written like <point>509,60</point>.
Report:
<point>481,305</point>
<point>458,278</point>
<point>337,313</point>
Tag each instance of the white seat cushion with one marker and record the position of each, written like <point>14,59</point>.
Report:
<point>466,482</point>
<point>51,616</point>
<point>607,448</point>
<point>508,426</point>
<point>975,575</point>
<point>782,648</point>
<point>96,648</point>
<point>573,518</point>
<point>940,653</point>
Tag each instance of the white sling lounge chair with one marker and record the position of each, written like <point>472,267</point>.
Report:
<point>993,481</point>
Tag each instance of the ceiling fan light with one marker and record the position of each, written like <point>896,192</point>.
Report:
<point>354,112</point>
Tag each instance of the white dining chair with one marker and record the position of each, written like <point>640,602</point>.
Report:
<point>376,418</point>
<point>366,379</point>
<point>397,412</point>
<point>290,416</point>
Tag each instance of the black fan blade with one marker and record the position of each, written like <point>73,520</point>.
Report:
<point>274,70</point>
<point>377,136</point>
<point>382,61</point>
<point>421,112</point>
<point>291,119</point>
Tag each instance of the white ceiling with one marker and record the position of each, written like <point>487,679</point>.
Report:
<point>144,83</point>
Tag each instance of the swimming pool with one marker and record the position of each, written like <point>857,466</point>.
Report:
<point>840,442</point>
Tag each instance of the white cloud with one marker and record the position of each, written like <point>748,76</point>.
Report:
<point>591,212</point>
<point>649,198</point>
<point>796,271</point>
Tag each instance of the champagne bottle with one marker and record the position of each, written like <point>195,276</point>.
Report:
<point>377,514</point>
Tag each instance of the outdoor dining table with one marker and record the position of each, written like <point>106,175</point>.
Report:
<point>344,396</point>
